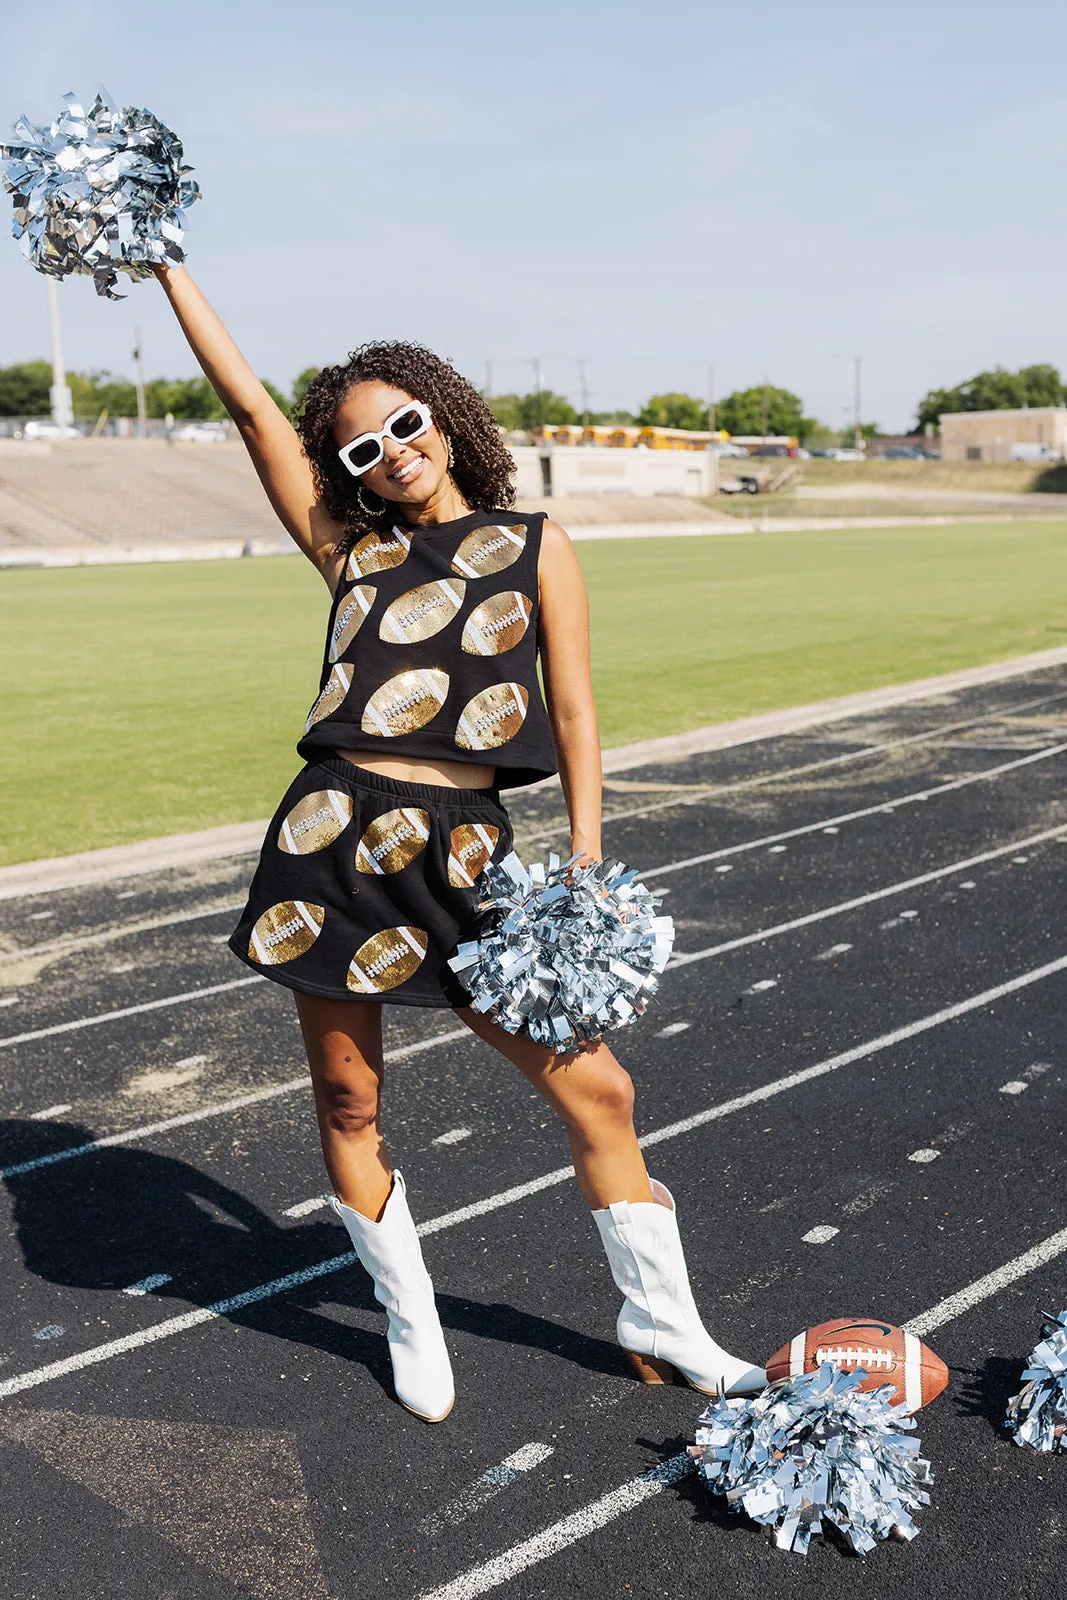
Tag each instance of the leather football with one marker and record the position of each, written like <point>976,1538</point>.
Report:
<point>887,1354</point>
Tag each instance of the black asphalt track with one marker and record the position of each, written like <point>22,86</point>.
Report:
<point>171,1443</point>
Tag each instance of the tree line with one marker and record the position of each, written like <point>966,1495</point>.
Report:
<point>764,408</point>
<point>24,393</point>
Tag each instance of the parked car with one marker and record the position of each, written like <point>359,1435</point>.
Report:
<point>202,432</point>
<point>742,485</point>
<point>902,453</point>
<point>845,455</point>
<point>41,429</point>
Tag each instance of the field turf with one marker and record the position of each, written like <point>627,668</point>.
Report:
<point>147,700</point>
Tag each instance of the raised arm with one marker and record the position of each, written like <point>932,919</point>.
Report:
<point>568,685</point>
<point>269,437</point>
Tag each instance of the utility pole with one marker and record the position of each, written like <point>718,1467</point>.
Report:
<point>583,378</point>
<point>711,397</point>
<point>537,390</point>
<point>488,380</point>
<point>856,402</point>
<point>142,414</point>
<point>59,396</point>
<point>766,408</point>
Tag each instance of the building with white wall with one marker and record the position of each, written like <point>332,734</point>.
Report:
<point>1004,435</point>
<point>573,470</point>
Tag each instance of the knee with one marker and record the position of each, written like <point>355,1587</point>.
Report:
<point>607,1100</point>
<point>349,1109</point>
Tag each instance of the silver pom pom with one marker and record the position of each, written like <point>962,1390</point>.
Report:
<point>568,952</point>
<point>99,192</point>
<point>1037,1415</point>
<point>814,1450</point>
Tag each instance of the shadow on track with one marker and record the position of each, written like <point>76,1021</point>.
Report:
<point>120,1215</point>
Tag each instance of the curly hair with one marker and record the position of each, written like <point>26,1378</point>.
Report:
<point>483,468</point>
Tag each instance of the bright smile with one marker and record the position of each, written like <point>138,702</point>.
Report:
<point>408,472</point>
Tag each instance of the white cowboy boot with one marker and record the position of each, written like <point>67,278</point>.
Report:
<point>389,1249</point>
<point>659,1326</point>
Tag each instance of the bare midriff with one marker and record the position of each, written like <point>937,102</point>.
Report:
<point>449,774</point>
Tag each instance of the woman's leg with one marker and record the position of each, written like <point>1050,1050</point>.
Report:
<point>343,1040</point>
<point>659,1325</point>
<point>595,1097</point>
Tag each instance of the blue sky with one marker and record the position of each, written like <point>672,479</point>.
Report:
<point>775,189</point>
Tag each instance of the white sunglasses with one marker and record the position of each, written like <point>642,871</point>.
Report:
<point>367,449</point>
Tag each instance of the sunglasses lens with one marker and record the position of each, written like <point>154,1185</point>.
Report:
<point>408,424</point>
<point>365,455</point>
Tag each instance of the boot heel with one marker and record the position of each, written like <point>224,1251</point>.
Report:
<point>651,1369</point>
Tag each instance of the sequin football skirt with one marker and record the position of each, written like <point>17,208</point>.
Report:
<point>365,885</point>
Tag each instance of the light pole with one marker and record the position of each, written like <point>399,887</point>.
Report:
<point>856,402</point>
<point>59,395</point>
<point>583,378</point>
<point>142,413</point>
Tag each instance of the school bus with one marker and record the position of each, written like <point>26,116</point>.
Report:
<point>621,436</point>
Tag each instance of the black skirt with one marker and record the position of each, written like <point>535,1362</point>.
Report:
<point>365,885</point>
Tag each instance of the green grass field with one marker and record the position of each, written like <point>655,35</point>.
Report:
<point>149,700</point>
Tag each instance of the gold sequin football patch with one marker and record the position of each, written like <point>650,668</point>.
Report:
<point>386,959</point>
<point>352,613</point>
<point>284,932</point>
<point>405,703</point>
<point>377,552</point>
<point>315,822</point>
<point>332,697</point>
<point>392,841</point>
<point>422,612</point>
<point>489,550</point>
<point>473,844</point>
<point>497,624</point>
<point>493,717</point>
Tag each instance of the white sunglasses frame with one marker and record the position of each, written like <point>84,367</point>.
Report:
<point>386,433</point>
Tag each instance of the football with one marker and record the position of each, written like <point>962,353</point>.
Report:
<point>493,717</point>
<point>285,932</point>
<point>315,822</point>
<point>392,840</point>
<point>386,959</point>
<point>406,702</point>
<point>497,624</point>
<point>332,697</point>
<point>422,612</point>
<point>886,1353</point>
<point>351,615</point>
<point>472,844</point>
<point>377,552</point>
<point>489,550</point>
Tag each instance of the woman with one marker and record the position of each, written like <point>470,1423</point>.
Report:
<point>397,488</point>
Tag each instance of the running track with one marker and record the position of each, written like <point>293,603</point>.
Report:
<point>861,1043</point>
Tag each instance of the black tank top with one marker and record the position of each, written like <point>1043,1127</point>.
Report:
<point>432,649</point>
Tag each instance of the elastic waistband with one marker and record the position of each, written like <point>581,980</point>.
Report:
<point>430,793</point>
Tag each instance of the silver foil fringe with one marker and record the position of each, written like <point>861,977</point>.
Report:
<point>100,192</point>
<point>564,961</point>
<point>1037,1415</point>
<point>813,1450</point>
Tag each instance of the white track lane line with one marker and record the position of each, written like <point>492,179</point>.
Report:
<point>146,1129</point>
<point>815,766</point>
<point>671,866</point>
<point>591,1518</point>
<point>128,1011</point>
<point>485,1488</point>
<point>679,960</point>
<point>84,941</point>
<point>683,959</point>
<point>479,1208</point>
<point>915,798</point>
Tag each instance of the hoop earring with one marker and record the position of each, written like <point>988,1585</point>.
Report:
<point>451,453</point>
<point>369,511</point>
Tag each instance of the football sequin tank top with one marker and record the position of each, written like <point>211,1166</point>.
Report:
<point>432,649</point>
